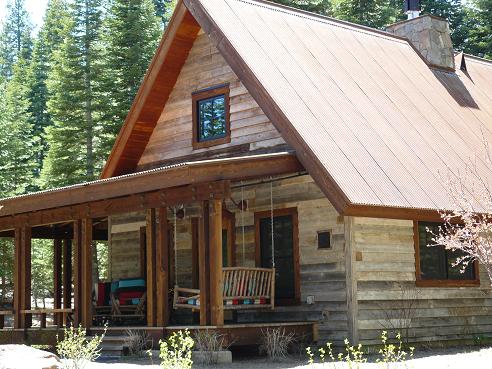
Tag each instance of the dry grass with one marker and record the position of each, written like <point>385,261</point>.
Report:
<point>275,343</point>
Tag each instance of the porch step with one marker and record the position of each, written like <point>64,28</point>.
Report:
<point>112,345</point>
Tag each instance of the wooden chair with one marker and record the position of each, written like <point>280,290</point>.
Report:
<point>121,312</point>
<point>243,288</point>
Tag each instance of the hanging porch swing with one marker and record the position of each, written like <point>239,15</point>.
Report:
<point>243,287</point>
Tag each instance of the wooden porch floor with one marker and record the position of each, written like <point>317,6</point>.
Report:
<point>236,334</point>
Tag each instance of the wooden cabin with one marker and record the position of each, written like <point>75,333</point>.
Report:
<point>267,141</point>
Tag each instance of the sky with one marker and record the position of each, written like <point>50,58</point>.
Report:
<point>35,7</point>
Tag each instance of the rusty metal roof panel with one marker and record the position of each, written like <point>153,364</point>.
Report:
<point>383,124</point>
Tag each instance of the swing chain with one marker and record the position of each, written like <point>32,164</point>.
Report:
<point>271,222</point>
<point>242,220</point>
<point>175,248</point>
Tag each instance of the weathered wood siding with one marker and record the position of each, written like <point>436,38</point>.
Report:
<point>387,296</point>
<point>124,245</point>
<point>171,140</point>
<point>322,272</point>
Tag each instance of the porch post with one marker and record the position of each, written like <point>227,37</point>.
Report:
<point>67,277</point>
<point>203,264</point>
<point>151,265</point>
<point>25,298</point>
<point>17,279</point>
<point>162,269</point>
<point>86,272</point>
<point>77,272</point>
<point>216,279</point>
<point>57,279</point>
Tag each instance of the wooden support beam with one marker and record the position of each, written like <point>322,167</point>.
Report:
<point>215,262</point>
<point>86,244</point>
<point>162,269</point>
<point>351,282</point>
<point>25,297</point>
<point>17,279</point>
<point>203,265</point>
<point>57,279</point>
<point>77,272</point>
<point>110,205</point>
<point>151,265</point>
<point>67,278</point>
<point>195,276</point>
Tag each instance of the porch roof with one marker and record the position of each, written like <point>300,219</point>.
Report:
<point>137,184</point>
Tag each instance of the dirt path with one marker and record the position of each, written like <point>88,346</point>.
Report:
<point>445,359</point>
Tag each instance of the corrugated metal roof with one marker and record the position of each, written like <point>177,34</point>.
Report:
<point>383,124</point>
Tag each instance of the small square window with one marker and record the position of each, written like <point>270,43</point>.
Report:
<point>324,240</point>
<point>211,117</point>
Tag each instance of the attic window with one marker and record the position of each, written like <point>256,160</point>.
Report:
<point>211,117</point>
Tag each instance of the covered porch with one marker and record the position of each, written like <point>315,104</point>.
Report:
<point>75,217</point>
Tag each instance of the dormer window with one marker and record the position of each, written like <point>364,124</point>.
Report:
<point>211,117</point>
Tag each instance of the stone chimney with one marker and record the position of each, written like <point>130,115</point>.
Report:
<point>430,35</point>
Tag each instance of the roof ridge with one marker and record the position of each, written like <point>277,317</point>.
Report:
<point>327,19</point>
<point>478,59</point>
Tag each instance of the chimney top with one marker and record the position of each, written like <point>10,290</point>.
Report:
<point>412,8</point>
<point>430,35</point>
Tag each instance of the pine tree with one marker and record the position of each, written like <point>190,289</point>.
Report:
<point>372,13</point>
<point>131,34</point>
<point>455,13</point>
<point>50,37</point>
<point>15,37</point>
<point>17,145</point>
<point>164,10</point>
<point>480,40</point>
<point>316,6</point>
<point>72,82</point>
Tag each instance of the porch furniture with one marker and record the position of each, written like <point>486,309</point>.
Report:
<point>4,312</point>
<point>43,312</point>
<point>124,312</point>
<point>244,288</point>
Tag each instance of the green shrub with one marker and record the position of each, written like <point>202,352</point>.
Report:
<point>353,356</point>
<point>175,352</point>
<point>392,353</point>
<point>77,349</point>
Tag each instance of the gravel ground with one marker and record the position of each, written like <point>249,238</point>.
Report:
<point>439,359</point>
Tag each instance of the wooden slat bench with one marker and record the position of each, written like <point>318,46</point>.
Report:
<point>244,288</point>
<point>3,313</point>
<point>44,312</point>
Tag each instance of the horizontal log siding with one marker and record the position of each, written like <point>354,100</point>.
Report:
<point>171,140</point>
<point>322,271</point>
<point>385,270</point>
<point>124,249</point>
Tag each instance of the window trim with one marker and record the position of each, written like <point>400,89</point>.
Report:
<point>207,94</point>
<point>419,282</point>
<point>297,270</point>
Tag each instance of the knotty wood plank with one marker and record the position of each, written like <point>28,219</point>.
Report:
<point>215,263</point>
<point>162,269</point>
<point>204,271</point>
<point>67,277</point>
<point>17,279</point>
<point>25,296</point>
<point>151,267</point>
<point>57,279</point>
<point>77,271</point>
<point>86,245</point>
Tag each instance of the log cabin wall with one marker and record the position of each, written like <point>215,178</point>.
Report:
<point>124,247</point>
<point>322,271</point>
<point>387,295</point>
<point>171,140</point>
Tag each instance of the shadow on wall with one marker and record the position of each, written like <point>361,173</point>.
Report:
<point>456,88</point>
